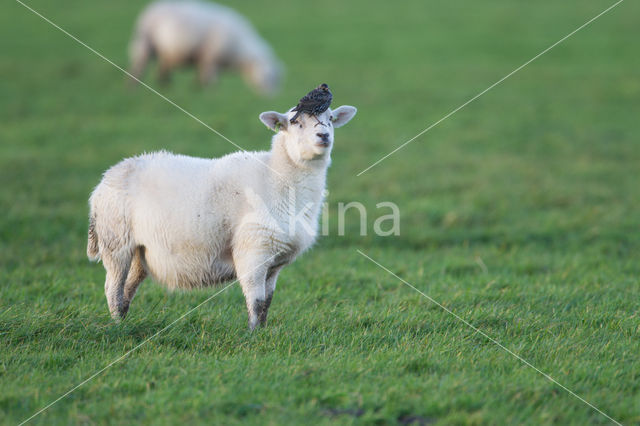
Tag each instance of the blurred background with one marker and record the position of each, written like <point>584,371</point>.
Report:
<point>528,198</point>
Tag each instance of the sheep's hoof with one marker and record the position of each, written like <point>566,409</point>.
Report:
<point>120,314</point>
<point>252,325</point>
<point>258,323</point>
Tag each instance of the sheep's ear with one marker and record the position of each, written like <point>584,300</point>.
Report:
<point>342,115</point>
<point>274,120</point>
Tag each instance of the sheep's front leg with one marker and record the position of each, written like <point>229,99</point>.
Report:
<point>270,286</point>
<point>209,59</point>
<point>164,70</point>
<point>252,272</point>
<point>207,71</point>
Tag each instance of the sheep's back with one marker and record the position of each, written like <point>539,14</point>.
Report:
<point>178,30</point>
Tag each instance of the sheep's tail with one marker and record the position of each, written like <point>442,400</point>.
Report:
<point>93,252</point>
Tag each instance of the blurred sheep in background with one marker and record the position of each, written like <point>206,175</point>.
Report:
<point>206,35</point>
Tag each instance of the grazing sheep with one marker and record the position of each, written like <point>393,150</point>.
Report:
<point>192,222</point>
<point>207,35</point>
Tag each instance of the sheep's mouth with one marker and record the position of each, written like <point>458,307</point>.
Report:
<point>324,144</point>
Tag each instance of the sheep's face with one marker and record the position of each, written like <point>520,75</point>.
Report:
<point>310,137</point>
<point>265,76</point>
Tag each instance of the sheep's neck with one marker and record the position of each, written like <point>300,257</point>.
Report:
<point>308,178</point>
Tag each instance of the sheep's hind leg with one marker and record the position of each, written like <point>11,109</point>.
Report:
<point>117,270</point>
<point>137,274</point>
<point>140,53</point>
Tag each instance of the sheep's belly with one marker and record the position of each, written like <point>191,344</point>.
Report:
<point>187,270</point>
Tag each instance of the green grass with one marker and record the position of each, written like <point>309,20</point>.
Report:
<point>538,180</point>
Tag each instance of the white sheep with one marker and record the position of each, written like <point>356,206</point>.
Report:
<point>208,35</point>
<point>193,222</point>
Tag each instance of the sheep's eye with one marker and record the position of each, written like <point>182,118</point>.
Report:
<point>301,126</point>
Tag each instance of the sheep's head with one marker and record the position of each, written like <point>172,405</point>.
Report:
<point>265,75</point>
<point>310,137</point>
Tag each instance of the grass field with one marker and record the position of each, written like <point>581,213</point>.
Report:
<point>520,213</point>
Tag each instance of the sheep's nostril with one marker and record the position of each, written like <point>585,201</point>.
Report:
<point>323,136</point>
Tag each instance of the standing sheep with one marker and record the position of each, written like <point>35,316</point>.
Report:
<point>207,35</point>
<point>193,222</point>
